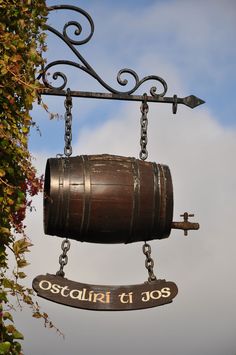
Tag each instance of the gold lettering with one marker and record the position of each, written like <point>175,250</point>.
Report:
<point>147,296</point>
<point>165,292</point>
<point>47,287</point>
<point>90,296</point>
<point>158,294</point>
<point>55,288</point>
<point>108,297</point>
<point>79,294</point>
<point>63,289</point>
<point>126,297</point>
<point>84,294</point>
<point>99,297</point>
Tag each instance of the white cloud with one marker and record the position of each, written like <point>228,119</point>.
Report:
<point>200,154</point>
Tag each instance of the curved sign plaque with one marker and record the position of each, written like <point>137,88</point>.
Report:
<point>104,298</point>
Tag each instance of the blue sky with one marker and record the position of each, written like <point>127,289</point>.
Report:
<point>180,41</point>
<point>190,44</point>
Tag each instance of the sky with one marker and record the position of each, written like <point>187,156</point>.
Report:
<point>190,44</point>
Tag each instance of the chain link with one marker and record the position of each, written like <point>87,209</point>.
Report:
<point>68,124</point>
<point>144,123</point>
<point>63,258</point>
<point>149,263</point>
<point>65,245</point>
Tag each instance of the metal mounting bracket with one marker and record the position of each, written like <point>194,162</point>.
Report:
<point>49,89</point>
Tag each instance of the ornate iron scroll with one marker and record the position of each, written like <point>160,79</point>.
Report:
<point>82,64</point>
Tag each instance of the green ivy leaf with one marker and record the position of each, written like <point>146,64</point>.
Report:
<point>5,347</point>
<point>22,263</point>
<point>7,315</point>
<point>21,275</point>
<point>5,231</point>
<point>2,173</point>
<point>7,283</point>
<point>22,43</point>
<point>17,335</point>
<point>37,315</point>
<point>21,246</point>
<point>10,329</point>
<point>3,297</point>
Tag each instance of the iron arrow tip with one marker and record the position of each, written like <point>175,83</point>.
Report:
<point>193,101</point>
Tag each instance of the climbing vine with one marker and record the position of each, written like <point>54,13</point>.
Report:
<point>21,47</point>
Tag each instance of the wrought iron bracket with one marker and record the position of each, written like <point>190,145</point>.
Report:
<point>113,94</point>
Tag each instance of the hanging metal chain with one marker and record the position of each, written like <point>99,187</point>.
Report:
<point>144,123</point>
<point>149,263</point>
<point>68,124</point>
<point>63,258</point>
<point>65,245</point>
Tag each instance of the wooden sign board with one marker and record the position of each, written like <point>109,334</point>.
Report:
<point>104,298</point>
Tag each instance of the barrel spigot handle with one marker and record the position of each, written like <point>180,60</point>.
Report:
<point>185,224</point>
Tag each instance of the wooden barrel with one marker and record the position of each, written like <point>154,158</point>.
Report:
<point>107,199</point>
